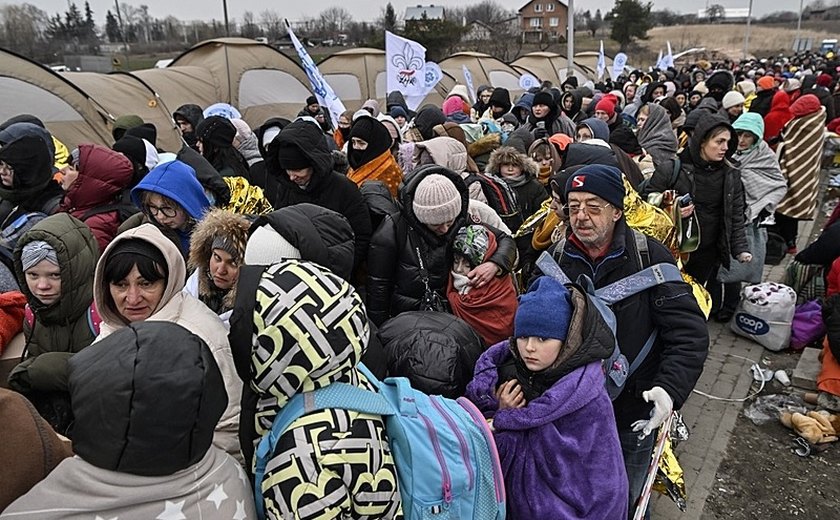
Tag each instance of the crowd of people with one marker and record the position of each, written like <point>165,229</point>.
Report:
<point>171,302</point>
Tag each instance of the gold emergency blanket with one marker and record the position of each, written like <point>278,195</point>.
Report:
<point>246,199</point>
<point>669,478</point>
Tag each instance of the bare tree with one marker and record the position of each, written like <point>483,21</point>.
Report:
<point>504,41</point>
<point>332,21</point>
<point>272,24</point>
<point>249,26</point>
<point>23,28</point>
<point>715,12</point>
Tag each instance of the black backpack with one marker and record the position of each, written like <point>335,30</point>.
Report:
<point>500,197</point>
<point>10,235</point>
<point>124,211</point>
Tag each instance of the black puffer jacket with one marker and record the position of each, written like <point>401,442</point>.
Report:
<point>763,102</point>
<point>327,188</point>
<point>676,360</point>
<point>321,235</point>
<point>732,238</point>
<point>209,178</point>
<point>379,201</point>
<point>395,284</point>
<point>141,370</point>
<point>436,351</point>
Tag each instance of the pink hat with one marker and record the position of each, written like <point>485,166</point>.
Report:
<point>452,105</point>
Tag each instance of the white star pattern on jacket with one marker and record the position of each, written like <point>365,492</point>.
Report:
<point>240,511</point>
<point>172,511</point>
<point>218,495</point>
<point>242,476</point>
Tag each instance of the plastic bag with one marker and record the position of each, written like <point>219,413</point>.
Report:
<point>765,314</point>
<point>807,326</point>
<point>769,408</point>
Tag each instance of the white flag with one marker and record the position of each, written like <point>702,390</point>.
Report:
<point>668,60</point>
<point>602,63</point>
<point>659,60</point>
<point>468,79</point>
<point>405,62</point>
<point>619,61</point>
<point>323,91</point>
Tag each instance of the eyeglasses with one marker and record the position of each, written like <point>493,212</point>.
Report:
<point>592,210</point>
<point>166,211</point>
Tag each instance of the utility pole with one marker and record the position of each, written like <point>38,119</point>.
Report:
<point>570,44</point>
<point>227,25</point>
<point>747,35</point>
<point>799,23</point>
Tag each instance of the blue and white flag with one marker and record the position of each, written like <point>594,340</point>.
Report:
<point>323,91</point>
<point>659,61</point>
<point>468,79</point>
<point>668,60</point>
<point>431,77</point>
<point>602,63</point>
<point>405,66</point>
<point>619,61</point>
<point>528,81</point>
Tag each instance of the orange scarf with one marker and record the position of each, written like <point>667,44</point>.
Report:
<point>384,168</point>
<point>489,310</point>
<point>543,235</point>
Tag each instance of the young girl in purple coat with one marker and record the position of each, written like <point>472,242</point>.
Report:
<point>544,392</point>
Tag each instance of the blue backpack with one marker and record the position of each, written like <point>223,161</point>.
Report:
<point>616,368</point>
<point>447,464</point>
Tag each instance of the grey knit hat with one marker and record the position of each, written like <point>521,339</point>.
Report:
<point>436,200</point>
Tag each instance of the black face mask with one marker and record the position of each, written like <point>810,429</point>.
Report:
<point>345,132</point>
<point>191,139</point>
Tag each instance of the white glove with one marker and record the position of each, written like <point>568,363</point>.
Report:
<point>663,405</point>
<point>744,258</point>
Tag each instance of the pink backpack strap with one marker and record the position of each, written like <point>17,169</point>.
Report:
<point>94,320</point>
<point>28,316</point>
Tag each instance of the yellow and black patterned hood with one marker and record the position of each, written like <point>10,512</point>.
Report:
<point>309,330</point>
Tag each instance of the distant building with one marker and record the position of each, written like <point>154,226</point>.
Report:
<point>477,31</point>
<point>427,12</point>
<point>543,20</point>
<point>826,13</point>
<point>730,15</point>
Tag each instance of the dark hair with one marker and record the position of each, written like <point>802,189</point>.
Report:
<point>228,156</point>
<point>135,252</point>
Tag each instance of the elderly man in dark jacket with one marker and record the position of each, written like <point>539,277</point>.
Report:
<point>601,246</point>
<point>413,248</point>
<point>303,166</point>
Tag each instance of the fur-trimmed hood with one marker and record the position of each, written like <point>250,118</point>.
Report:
<point>483,145</point>
<point>216,223</point>
<point>509,155</point>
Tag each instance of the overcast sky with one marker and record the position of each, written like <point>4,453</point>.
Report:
<point>360,9</point>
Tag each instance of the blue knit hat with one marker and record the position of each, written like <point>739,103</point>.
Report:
<point>601,180</point>
<point>544,311</point>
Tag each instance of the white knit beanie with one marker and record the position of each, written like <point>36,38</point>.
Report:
<point>732,98</point>
<point>266,247</point>
<point>436,200</point>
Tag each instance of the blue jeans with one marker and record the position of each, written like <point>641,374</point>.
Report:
<point>637,455</point>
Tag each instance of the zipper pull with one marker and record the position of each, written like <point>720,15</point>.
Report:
<point>447,492</point>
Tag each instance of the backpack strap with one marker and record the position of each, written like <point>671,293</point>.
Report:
<point>642,250</point>
<point>335,395</point>
<point>29,316</point>
<point>94,319</point>
<point>639,282</point>
<point>551,268</point>
<point>676,173</point>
